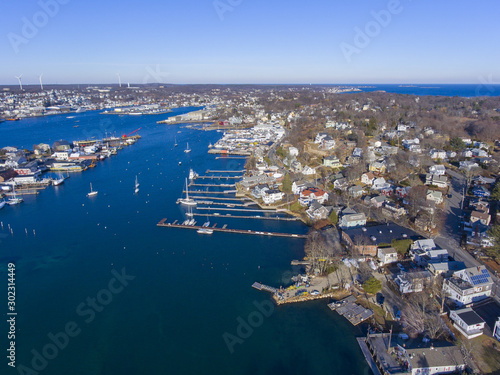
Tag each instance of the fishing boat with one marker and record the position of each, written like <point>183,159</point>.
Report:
<point>58,181</point>
<point>210,145</point>
<point>136,186</point>
<point>92,192</point>
<point>187,201</point>
<point>192,174</point>
<point>14,200</point>
<point>187,148</point>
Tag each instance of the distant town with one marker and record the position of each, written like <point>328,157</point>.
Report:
<point>400,192</point>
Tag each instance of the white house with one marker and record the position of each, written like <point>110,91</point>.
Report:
<point>352,221</point>
<point>61,155</point>
<point>469,285</point>
<point>434,196</point>
<point>368,178</point>
<point>436,180</point>
<point>387,255</point>
<point>272,196</point>
<point>437,154</point>
<point>468,322</point>
<point>413,282</point>
<point>332,162</point>
<point>438,170</point>
<point>467,165</point>
<point>308,171</point>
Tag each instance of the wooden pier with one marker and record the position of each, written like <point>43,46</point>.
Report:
<point>350,310</point>
<point>266,288</point>
<point>230,157</point>
<point>229,216</point>
<point>213,177</point>
<point>234,209</point>
<point>225,199</point>
<point>163,223</point>
<point>212,185</point>
<point>227,171</point>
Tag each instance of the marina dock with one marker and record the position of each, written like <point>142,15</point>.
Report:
<point>226,171</point>
<point>163,223</point>
<point>214,177</point>
<point>251,217</point>
<point>266,288</point>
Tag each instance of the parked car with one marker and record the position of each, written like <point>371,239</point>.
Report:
<point>314,293</point>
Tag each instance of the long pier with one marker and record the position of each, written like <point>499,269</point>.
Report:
<point>230,157</point>
<point>213,177</point>
<point>224,199</point>
<point>229,216</point>
<point>266,288</point>
<point>213,185</point>
<point>226,171</point>
<point>234,209</point>
<point>163,223</point>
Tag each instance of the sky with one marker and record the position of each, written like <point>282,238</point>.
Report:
<point>249,41</point>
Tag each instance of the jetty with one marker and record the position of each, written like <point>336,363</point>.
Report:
<point>163,223</point>
<point>349,309</point>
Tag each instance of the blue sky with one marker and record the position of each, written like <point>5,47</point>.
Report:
<point>251,41</point>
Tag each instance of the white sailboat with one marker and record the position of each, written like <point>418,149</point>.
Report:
<point>92,192</point>
<point>187,148</point>
<point>187,201</point>
<point>14,200</point>
<point>175,141</point>
<point>2,204</point>
<point>192,174</point>
<point>136,186</point>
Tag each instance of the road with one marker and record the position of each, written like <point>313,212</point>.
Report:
<point>450,235</point>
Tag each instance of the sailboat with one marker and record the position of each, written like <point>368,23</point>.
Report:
<point>175,141</point>
<point>136,186</point>
<point>187,148</point>
<point>205,229</point>
<point>2,204</point>
<point>187,201</point>
<point>92,192</point>
<point>14,200</point>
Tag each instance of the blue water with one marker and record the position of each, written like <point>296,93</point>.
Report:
<point>464,90</point>
<point>188,290</point>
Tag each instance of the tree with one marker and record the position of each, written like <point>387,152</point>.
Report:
<point>372,285</point>
<point>251,163</point>
<point>287,184</point>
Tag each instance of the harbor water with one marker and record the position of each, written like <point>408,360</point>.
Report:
<point>134,298</point>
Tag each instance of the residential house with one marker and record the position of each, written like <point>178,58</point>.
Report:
<point>377,167</point>
<point>296,166</point>
<point>355,191</point>
<point>426,251</point>
<point>437,154</point>
<point>414,357</point>
<point>325,141</point>
<point>436,180</point>
<point>311,194</point>
<point>468,165</point>
<point>393,210</point>
<point>15,161</point>
<point>368,178</point>
<point>412,145</point>
<point>434,196</point>
<point>352,221</point>
<point>61,155</point>
<point>387,255</point>
<point>298,186</point>
<point>308,171</point>
<point>259,190</point>
<point>272,196</point>
<point>332,162</point>
<point>340,184</point>
<point>317,211</point>
<point>481,191</point>
<point>470,285</point>
<point>438,170</point>
<point>380,183</point>
<point>468,322</point>
<point>402,191</point>
<point>481,216</point>
<point>413,282</point>
<point>378,201</point>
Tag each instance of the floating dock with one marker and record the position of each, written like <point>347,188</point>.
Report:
<point>213,177</point>
<point>226,171</point>
<point>163,223</point>
<point>251,217</point>
<point>349,309</point>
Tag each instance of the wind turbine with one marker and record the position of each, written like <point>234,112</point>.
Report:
<point>19,79</point>
<point>40,78</point>
<point>119,79</point>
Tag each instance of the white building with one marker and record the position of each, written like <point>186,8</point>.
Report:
<point>468,322</point>
<point>469,285</point>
